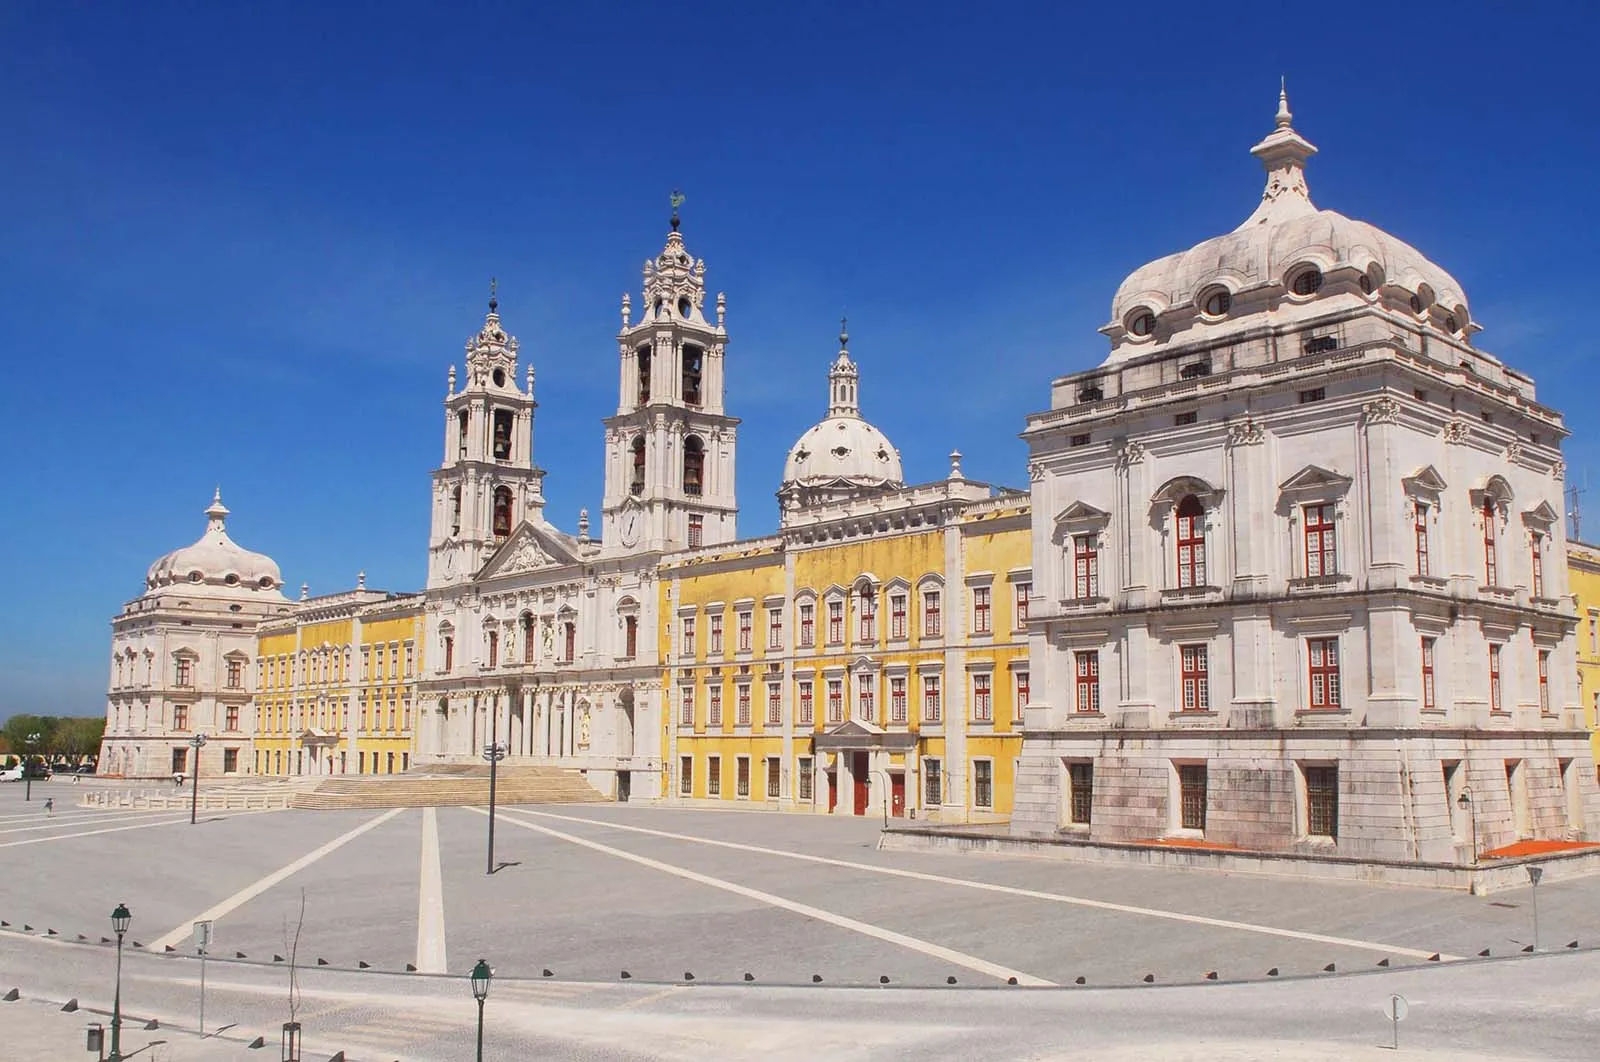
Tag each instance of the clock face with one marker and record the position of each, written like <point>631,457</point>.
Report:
<point>629,528</point>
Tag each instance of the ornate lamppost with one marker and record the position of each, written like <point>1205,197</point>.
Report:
<point>121,918</point>
<point>1464,801</point>
<point>197,743</point>
<point>27,765</point>
<point>481,976</point>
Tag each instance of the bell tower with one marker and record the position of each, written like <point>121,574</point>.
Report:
<point>487,483</point>
<point>670,447</point>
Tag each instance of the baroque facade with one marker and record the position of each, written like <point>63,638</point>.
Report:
<point>1297,543</point>
<point>1583,569</point>
<point>870,657</point>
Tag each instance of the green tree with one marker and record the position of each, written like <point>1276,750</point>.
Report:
<point>77,737</point>
<point>19,731</point>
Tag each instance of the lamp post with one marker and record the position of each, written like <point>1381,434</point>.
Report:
<point>121,918</point>
<point>197,743</point>
<point>494,752</point>
<point>27,765</point>
<point>1464,801</point>
<point>481,975</point>
<point>1534,874</point>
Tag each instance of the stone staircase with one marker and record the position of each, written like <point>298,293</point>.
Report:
<point>450,785</point>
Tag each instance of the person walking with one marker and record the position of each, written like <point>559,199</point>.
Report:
<point>49,807</point>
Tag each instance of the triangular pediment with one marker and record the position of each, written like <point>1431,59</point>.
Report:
<point>1081,512</point>
<point>1427,479</point>
<point>530,548</point>
<point>1314,477</point>
<point>1543,513</point>
<point>855,728</point>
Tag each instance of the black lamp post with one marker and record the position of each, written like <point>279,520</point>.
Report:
<point>1464,801</point>
<point>481,975</point>
<point>494,752</point>
<point>197,743</point>
<point>121,918</point>
<point>27,765</point>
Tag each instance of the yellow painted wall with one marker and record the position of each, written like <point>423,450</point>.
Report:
<point>1583,571</point>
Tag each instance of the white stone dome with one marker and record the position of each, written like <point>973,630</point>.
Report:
<point>216,563</point>
<point>843,448</point>
<point>1286,235</point>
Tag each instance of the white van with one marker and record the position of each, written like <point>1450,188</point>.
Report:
<point>11,774</point>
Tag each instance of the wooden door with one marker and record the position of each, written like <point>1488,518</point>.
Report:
<point>858,775</point>
<point>897,789</point>
<point>833,791</point>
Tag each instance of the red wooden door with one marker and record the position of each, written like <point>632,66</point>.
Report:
<point>897,787</point>
<point>858,772</point>
<point>833,791</point>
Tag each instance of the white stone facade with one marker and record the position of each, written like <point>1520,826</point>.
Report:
<point>1299,552</point>
<point>183,659</point>
<point>547,641</point>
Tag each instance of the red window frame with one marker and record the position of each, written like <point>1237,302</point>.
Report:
<point>746,627</point>
<point>1422,538</point>
<point>867,614</point>
<point>1429,687</point>
<point>1491,560</point>
<point>1022,592</point>
<point>897,615</point>
<point>743,718</point>
<point>1087,665</point>
<point>231,719</point>
<point>714,706</point>
<point>1194,665</point>
<point>630,636</point>
<point>774,705</point>
<point>686,706</point>
<point>1085,567</point>
<point>932,621</point>
<point>897,699</point>
<point>835,622</point>
<point>571,646</point>
<point>808,625</point>
<point>866,699</point>
<point>774,628</point>
<point>1321,543</point>
<point>688,636</point>
<point>807,706</point>
<point>1191,543</point>
<point>1544,681</point>
<point>1023,693</point>
<point>716,634</point>
<point>697,530</point>
<point>1494,677</point>
<point>1538,564</point>
<point>494,648</point>
<point>980,610</point>
<point>932,705</point>
<point>835,700</point>
<point>1322,663</point>
<point>982,698</point>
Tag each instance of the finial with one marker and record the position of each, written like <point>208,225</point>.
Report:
<point>451,378</point>
<point>583,525</point>
<point>305,591</point>
<point>216,512</point>
<point>627,309</point>
<point>677,201</point>
<point>1284,117</point>
<point>955,465</point>
<point>844,333</point>
<point>722,308</point>
<point>216,495</point>
<point>494,301</point>
<point>361,580</point>
<point>529,375</point>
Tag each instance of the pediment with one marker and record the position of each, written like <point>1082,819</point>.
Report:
<point>1314,478</point>
<point>1081,512</point>
<point>855,728</point>
<point>1426,479</point>
<point>1543,513</point>
<point>530,548</point>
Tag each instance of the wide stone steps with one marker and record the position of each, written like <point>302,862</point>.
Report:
<point>454,788</point>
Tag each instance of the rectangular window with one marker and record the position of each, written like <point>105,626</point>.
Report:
<point>1322,801</point>
<point>1191,543</point>
<point>1544,681</point>
<point>230,761</point>
<point>1088,666</point>
<point>867,613</point>
<point>897,699</point>
<point>686,706</point>
<point>808,626</point>
<point>746,629</point>
<point>688,635</point>
<point>802,779</point>
<point>1323,657</point>
<point>866,692</point>
<point>774,705</point>
<point>1085,567</point>
<point>1422,538</point>
<point>774,778</point>
<point>235,674</point>
<point>1315,394</point>
<point>743,705</point>
<point>1538,564</point>
<point>449,653</point>
<point>180,761</point>
<point>180,717</point>
<point>932,625</point>
<point>1080,779</point>
<point>1192,796</point>
<point>932,784</point>
<point>835,622</point>
<point>983,784</point>
<point>183,672</point>
<point>775,628</point>
<point>932,708</point>
<point>1494,678</point>
<point>982,699</point>
<point>713,775</point>
<point>697,526</point>
<point>411,656</point>
<point>231,719</point>
<point>1023,590</point>
<point>1320,557</point>
<point>807,708</point>
<point>1022,695</point>
<point>741,777</point>
<point>1428,688</point>
<point>716,633</point>
<point>897,615</point>
<point>570,643</point>
<point>686,776</point>
<point>494,649</point>
<point>1491,562</point>
<point>1081,439</point>
<point>835,701</point>
<point>1190,417</point>
<point>1195,677</point>
<point>630,636</point>
<point>980,610</point>
<point>714,706</point>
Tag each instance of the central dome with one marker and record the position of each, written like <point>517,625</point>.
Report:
<point>216,563</point>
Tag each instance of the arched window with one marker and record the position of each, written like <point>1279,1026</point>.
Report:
<point>1191,542</point>
<point>636,484</point>
<point>643,354</point>
<point>455,511</point>
<point>502,512</point>
<point>694,465</point>
<point>693,362</point>
<point>503,419</point>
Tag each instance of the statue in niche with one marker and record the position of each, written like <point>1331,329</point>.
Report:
<point>583,728</point>
<point>548,639</point>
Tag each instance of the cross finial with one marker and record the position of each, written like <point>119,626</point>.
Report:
<point>494,301</point>
<point>676,199</point>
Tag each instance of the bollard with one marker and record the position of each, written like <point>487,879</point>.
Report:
<point>1081,980</point>
<point>1384,961</point>
<point>1484,954</point>
<point>749,977</point>
<point>949,980</point>
<point>1272,972</point>
<point>1149,979</point>
<point>70,1005</point>
<point>411,967</point>
<point>687,976</point>
<point>1330,968</point>
<point>816,979</point>
<point>1211,975</point>
<point>12,996</point>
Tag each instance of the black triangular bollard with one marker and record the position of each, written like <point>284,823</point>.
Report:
<point>1527,947</point>
<point>170,948</point>
<point>363,965</point>
<point>687,976</point>
<point>240,955</point>
<point>1081,980</point>
<point>277,958</point>
<point>12,996</point>
<point>153,1023</point>
<point>950,980</point>
<point>105,940</point>
<point>749,976</point>
<point>626,976</point>
<point>411,967</point>
<point>26,928</point>
<point>82,937</point>
<point>336,1058</point>
<point>1434,957</point>
<point>546,973</point>
<point>1572,943</point>
<point>1330,968</point>
<point>51,933</point>
<point>137,944</point>
<point>4,924</point>
<point>1149,979</point>
<point>883,979</point>
<point>1383,962</point>
<point>321,961</point>
<point>70,1005</point>
<point>816,979</point>
<point>1484,954</point>
<point>1272,972</point>
<point>1211,975</point>
<point>1011,980</point>
<point>257,1043</point>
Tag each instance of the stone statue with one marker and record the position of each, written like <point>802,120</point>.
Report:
<point>583,729</point>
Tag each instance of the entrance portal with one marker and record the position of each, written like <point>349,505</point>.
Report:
<point>897,790</point>
<point>861,780</point>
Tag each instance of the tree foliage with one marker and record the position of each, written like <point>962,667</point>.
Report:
<point>53,736</point>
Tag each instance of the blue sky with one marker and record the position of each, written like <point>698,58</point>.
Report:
<point>242,243</point>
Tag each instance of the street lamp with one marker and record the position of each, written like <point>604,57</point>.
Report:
<point>121,918</point>
<point>494,752</point>
<point>27,765</point>
<point>197,743</point>
<point>1464,801</point>
<point>481,975</point>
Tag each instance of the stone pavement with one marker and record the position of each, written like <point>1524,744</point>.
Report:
<point>32,1030</point>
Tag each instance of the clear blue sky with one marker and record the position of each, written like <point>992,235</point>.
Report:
<point>241,243</point>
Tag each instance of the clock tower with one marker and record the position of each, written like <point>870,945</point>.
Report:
<point>488,483</point>
<point>670,446</point>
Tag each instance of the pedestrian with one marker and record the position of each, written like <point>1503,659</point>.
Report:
<point>49,807</point>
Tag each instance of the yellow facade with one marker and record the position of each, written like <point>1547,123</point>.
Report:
<point>848,664</point>
<point>1583,572</point>
<point>336,686</point>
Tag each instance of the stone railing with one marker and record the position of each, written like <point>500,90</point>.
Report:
<point>230,799</point>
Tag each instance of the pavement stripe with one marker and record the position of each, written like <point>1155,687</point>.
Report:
<point>1053,897</point>
<point>66,823</point>
<point>92,833</point>
<point>430,900</point>
<point>250,892</point>
<point>970,962</point>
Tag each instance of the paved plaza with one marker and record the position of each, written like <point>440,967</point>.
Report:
<point>587,892</point>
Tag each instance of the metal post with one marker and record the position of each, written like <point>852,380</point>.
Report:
<point>197,742</point>
<point>116,1009</point>
<point>1534,874</point>
<point>494,764</point>
<point>480,1030</point>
